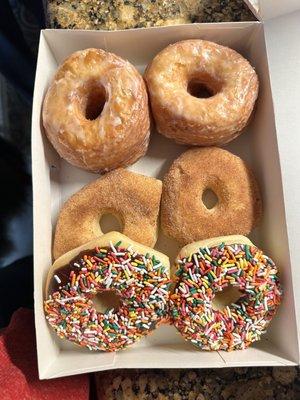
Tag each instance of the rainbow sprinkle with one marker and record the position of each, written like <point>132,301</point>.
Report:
<point>141,281</point>
<point>208,271</point>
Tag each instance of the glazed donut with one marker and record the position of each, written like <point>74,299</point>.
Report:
<point>185,217</point>
<point>88,81</point>
<point>176,77</point>
<point>206,268</point>
<point>137,274</point>
<point>134,199</point>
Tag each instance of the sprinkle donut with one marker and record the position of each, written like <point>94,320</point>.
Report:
<point>137,274</point>
<point>175,79</point>
<point>185,216</point>
<point>206,268</point>
<point>132,198</point>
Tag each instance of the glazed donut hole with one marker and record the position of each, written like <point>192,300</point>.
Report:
<point>93,95</point>
<point>95,103</point>
<point>203,86</point>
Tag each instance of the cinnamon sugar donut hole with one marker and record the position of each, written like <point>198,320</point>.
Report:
<point>95,112</point>
<point>187,218</point>
<point>183,74</point>
<point>132,198</point>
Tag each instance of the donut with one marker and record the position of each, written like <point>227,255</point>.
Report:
<point>207,267</point>
<point>132,198</point>
<point>95,112</point>
<point>201,93</point>
<point>138,275</point>
<point>184,215</point>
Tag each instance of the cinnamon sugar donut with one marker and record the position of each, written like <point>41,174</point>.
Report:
<point>182,70</point>
<point>95,112</point>
<point>184,215</point>
<point>133,198</point>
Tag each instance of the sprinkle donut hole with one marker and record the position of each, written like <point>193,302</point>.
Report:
<point>226,297</point>
<point>106,300</point>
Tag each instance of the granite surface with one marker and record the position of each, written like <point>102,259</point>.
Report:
<point>123,14</point>
<point>282,383</point>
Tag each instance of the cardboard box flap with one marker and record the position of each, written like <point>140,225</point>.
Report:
<point>253,5</point>
<point>268,9</point>
<point>54,181</point>
<point>283,49</point>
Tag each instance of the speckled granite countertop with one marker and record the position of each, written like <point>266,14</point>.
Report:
<point>282,383</point>
<point>123,14</point>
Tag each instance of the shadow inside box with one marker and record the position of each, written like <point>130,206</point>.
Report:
<point>167,337</point>
<point>158,156</point>
<point>174,347</point>
<point>72,177</point>
<point>158,162</point>
<point>183,347</point>
<point>264,349</point>
<point>169,247</point>
<point>61,171</point>
<point>67,346</point>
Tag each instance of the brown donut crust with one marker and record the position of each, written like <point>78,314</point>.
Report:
<point>116,138</point>
<point>201,121</point>
<point>185,218</point>
<point>133,198</point>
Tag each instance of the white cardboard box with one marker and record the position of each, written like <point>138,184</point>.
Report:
<point>270,145</point>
